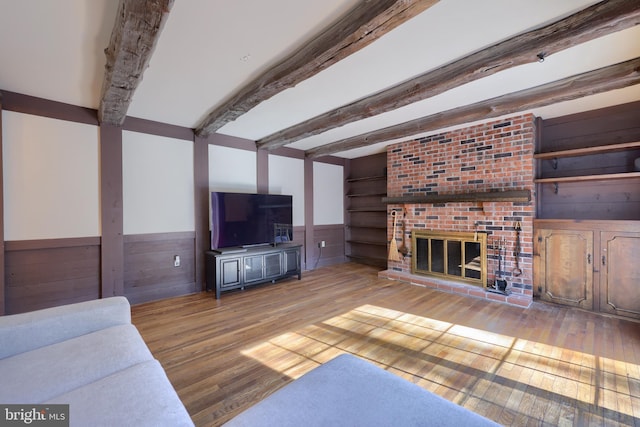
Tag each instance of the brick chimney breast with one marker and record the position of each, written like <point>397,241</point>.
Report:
<point>494,156</point>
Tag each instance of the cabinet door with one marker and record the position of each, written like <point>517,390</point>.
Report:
<point>253,268</point>
<point>229,272</point>
<point>291,261</point>
<point>620,274</point>
<point>272,265</point>
<point>566,270</point>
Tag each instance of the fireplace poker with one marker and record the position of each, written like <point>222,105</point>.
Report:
<point>403,247</point>
<point>501,284</point>
<point>516,251</point>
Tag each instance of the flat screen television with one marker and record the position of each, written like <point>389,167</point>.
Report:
<point>243,219</point>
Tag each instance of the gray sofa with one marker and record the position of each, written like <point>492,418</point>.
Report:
<point>90,356</point>
<point>350,392</point>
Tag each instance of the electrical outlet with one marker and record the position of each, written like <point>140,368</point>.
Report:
<point>176,260</point>
<point>322,244</point>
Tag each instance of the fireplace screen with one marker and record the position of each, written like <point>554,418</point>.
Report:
<point>455,255</point>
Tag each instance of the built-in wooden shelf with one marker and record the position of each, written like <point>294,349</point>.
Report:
<point>371,209</point>
<point>588,150</point>
<point>378,262</point>
<point>366,220</point>
<point>367,195</point>
<point>487,196</point>
<point>369,227</point>
<point>369,242</point>
<point>367,178</point>
<point>603,177</point>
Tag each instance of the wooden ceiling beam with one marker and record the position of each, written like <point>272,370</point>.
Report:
<point>593,22</point>
<point>604,79</point>
<point>133,39</point>
<point>368,21</point>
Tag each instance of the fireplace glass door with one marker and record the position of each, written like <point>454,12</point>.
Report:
<point>455,255</point>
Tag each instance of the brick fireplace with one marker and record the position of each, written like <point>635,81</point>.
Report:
<point>470,163</point>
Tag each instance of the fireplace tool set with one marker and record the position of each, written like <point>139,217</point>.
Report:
<point>500,284</point>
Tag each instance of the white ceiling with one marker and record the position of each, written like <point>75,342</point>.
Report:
<point>210,48</point>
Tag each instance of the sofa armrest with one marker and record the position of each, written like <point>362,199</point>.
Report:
<point>27,331</point>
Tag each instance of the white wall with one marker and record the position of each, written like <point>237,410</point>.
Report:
<point>232,170</point>
<point>51,178</point>
<point>158,191</point>
<point>328,194</point>
<point>286,176</point>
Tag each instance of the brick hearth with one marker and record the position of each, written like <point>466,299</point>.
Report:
<point>494,156</point>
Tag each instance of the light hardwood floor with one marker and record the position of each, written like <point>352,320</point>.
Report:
<point>545,365</point>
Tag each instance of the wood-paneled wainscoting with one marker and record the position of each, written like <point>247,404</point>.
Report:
<point>50,272</point>
<point>332,253</point>
<point>545,365</point>
<point>149,271</point>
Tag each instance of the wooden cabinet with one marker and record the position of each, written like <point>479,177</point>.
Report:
<point>236,268</point>
<point>589,264</point>
<point>587,235</point>
<point>565,273</point>
<point>620,273</point>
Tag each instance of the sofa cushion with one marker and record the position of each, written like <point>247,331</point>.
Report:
<point>41,374</point>
<point>27,331</point>
<point>138,396</point>
<point>348,391</point>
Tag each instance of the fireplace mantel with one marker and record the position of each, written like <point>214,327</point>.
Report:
<point>486,196</point>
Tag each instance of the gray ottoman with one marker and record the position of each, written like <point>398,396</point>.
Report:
<point>348,391</point>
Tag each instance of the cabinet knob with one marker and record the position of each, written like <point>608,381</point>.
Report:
<point>604,260</point>
<point>588,258</point>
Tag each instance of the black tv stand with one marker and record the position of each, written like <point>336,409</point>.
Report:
<point>257,245</point>
<point>227,269</point>
<point>233,250</point>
